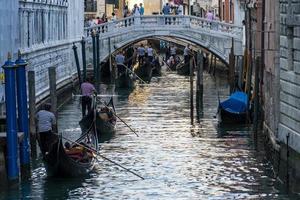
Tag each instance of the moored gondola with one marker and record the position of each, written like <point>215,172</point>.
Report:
<point>234,109</point>
<point>105,119</point>
<point>71,159</point>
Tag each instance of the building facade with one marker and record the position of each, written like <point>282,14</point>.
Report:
<point>289,122</point>
<point>274,36</point>
<point>44,32</point>
<point>232,11</point>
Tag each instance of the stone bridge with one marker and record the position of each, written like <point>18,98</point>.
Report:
<point>215,36</point>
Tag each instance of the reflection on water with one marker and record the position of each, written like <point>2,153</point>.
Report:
<point>177,160</point>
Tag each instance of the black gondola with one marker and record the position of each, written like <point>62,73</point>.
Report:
<point>156,67</point>
<point>234,109</point>
<point>125,79</point>
<point>173,63</point>
<point>105,120</point>
<point>183,69</point>
<point>71,160</point>
<point>144,71</point>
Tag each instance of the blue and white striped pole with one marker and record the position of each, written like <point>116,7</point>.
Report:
<point>11,119</point>
<point>23,120</point>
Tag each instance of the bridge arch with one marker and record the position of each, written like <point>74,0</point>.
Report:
<point>216,37</point>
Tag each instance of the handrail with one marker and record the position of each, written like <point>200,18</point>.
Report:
<point>169,20</point>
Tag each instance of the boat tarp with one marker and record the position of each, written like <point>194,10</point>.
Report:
<point>236,103</point>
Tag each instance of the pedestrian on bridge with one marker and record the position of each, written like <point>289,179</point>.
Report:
<point>46,124</point>
<point>87,90</point>
<point>166,9</point>
<point>136,10</point>
<point>142,10</point>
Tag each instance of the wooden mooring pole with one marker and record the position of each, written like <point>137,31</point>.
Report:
<point>231,69</point>
<point>52,87</point>
<point>32,111</point>
<point>215,65</point>
<point>256,101</point>
<point>111,66</point>
<point>192,90</point>
<point>83,53</point>
<point>77,63</point>
<point>199,94</point>
<point>97,63</point>
<point>94,55</point>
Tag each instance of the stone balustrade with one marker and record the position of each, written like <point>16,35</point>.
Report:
<point>213,35</point>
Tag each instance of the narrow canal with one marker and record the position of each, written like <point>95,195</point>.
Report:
<point>177,160</point>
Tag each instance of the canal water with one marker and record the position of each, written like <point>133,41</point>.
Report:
<point>177,160</point>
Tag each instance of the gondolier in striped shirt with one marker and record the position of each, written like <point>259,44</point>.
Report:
<point>87,90</point>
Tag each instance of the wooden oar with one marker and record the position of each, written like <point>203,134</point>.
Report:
<point>120,118</point>
<point>105,158</point>
<point>133,73</point>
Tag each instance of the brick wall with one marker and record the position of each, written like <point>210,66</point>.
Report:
<point>290,73</point>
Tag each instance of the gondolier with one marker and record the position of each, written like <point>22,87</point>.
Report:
<point>186,54</point>
<point>46,123</point>
<point>120,60</point>
<point>87,90</point>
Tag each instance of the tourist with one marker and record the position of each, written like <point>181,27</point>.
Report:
<point>120,60</point>
<point>166,9</point>
<point>180,9</point>
<point>46,124</point>
<point>91,22</point>
<point>141,53</point>
<point>113,17</point>
<point>125,11</point>
<point>104,18</point>
<point>87,90</point>
<point>98,20</point>
<point>142,10</point>
<point>209,16</point>
<point>136,10</point>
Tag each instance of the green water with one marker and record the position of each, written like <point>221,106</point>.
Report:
<point>177,160</point>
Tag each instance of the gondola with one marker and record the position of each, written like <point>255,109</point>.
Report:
<point>70,159</point>
<point>105,119</point>
<point>125,80</point>
<point>144,71</point>
<point>156,67</point>
<point>173,65</point>
<point>183,69</point>
<point>234,109</point>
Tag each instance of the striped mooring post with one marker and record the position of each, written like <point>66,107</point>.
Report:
<point>11,119</point>
<point>23,121</point>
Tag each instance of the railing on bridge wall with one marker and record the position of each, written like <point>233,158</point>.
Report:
<point>215,36</point>
<point>154,21</point>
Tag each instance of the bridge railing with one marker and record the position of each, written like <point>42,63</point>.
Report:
<point>154,21</point>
